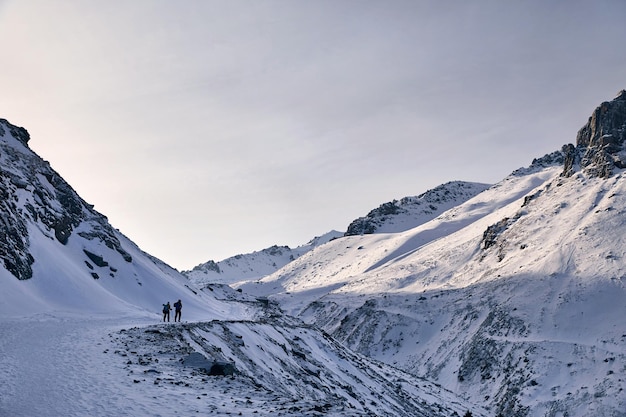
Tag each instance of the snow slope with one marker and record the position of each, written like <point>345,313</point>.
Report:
<point>354,260</point>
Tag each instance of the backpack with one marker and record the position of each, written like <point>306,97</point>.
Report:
<point>165,309</point>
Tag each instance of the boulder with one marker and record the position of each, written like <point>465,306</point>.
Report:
<point>198,361</point>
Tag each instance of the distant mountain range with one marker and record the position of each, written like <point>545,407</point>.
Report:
<point>253,265</point>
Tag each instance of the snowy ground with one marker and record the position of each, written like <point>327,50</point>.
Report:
<point>58,366</point>
<point>62,365</point>
<point>90,367</point>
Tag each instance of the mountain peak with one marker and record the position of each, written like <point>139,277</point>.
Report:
<point>19,133</point>
<point>410,212</point>
<point>600,142</point>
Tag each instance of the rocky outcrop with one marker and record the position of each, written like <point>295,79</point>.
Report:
<point>17,132</point>
<point>600,143</point>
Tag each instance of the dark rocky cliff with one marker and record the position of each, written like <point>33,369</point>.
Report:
<point>600,143</point>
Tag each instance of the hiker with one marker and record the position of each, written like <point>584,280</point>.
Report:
<point>166,311</point>
<point>178,306</point>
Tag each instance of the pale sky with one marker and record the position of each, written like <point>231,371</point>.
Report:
<point>205,129</point>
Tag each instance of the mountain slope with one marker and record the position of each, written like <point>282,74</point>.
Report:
<point>515,297</point>
<point>348,261</point>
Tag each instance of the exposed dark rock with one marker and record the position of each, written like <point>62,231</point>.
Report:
<point>276,250</point>
<point>223,368</point>
<point>198,361</point>
<point>14,242</point>
<point>97,259</point>
<point>600,143</point>
<point>570,160</point>
<point>17,132</point>
<point>63,229</point>
<point>491,234</point>
<point>211,266</point>
<point>361,226</point>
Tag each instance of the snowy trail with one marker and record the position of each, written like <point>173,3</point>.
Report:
<point>55,367</point>
<point>71,367</point>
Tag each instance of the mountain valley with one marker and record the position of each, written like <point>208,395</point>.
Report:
<point>502,300</point>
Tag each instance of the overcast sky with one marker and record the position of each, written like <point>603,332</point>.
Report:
<point>205,129</point>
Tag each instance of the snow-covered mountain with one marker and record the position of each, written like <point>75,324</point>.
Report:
<point>82,335</point>
<point>515,298</point>
<point>253,265</point>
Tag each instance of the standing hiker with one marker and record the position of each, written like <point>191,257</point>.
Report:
<point>166,311</point>
<point>178,306</point>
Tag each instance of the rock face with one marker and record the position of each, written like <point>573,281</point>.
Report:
<point>35,197</point>
<point>600,143</point>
